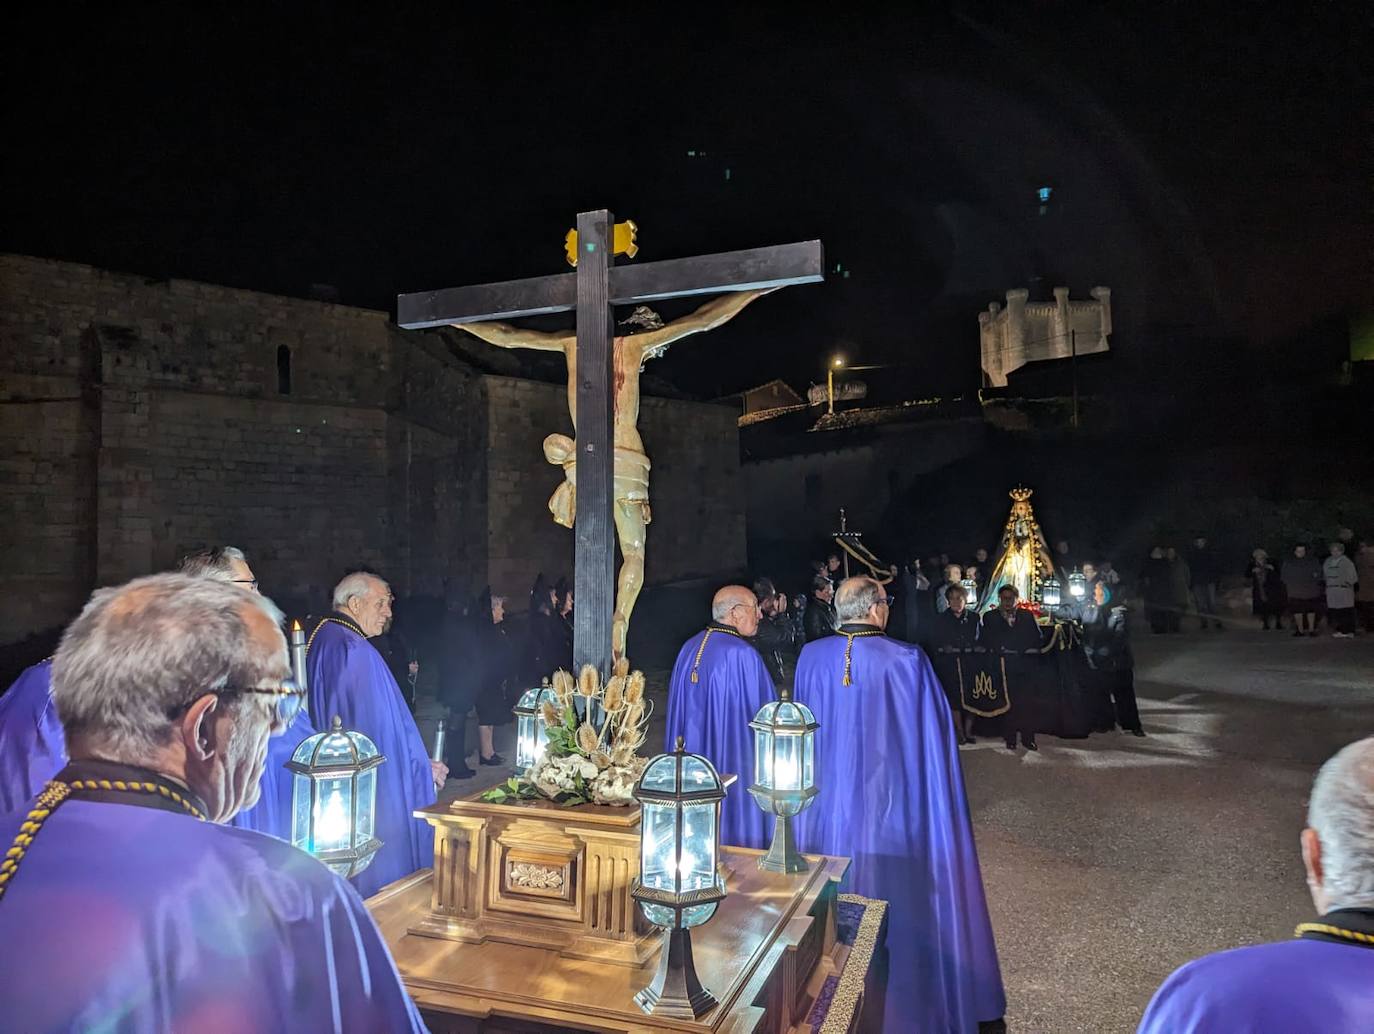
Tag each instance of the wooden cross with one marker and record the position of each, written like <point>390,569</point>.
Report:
<point>593,290</point>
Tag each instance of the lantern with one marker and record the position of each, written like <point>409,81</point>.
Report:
<point>784,774</point>
<point>1049,591</point>
<point>970,587</point>
<point>531,735</point>
<point>1078,585</point>
<point>679,885</point>
<point>334,798</point>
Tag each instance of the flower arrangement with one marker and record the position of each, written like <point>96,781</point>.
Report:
<point>591,754</point>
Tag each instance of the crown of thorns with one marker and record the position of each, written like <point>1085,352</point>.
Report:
<point>643,317</point>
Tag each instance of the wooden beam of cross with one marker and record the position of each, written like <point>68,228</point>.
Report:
<point>593,290</point>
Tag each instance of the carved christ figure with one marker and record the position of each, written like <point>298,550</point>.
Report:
<point>648,339</point>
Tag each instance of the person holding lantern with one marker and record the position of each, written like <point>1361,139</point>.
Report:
<point>124,899</point>
<point>892,799</point>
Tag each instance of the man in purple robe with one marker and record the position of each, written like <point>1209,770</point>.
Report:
<point>32,747</point>
<point>350,679</point>
<point>272,814</point>
<point>892,799</point>
<point>1323,979</point>
<point>124,904</point>
<point>719,683</point>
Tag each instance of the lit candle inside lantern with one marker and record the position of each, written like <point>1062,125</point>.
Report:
<point>786,775</point>
<point>331,824</point>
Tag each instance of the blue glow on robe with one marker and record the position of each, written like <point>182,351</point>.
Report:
<point>892,799</point>
<point>33,747</point>
<point>272,813</point>
<point>1286,987</point>
<point>129,918</point>
<point>349,678</point>
<point>712,716</point>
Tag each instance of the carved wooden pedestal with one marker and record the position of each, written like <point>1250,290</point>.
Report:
<point>536,874</point>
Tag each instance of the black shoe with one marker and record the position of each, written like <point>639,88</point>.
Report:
<point>495,759</point>
<point>1313,633</point>
<point>1011,744</point>
<point>462,773</point>
<point>970,738</point>
<point>1029,743</point>
<point>1137,731</point>
<point>1297,633</point>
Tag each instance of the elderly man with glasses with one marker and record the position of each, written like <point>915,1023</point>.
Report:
<point>123,899</point>
<point>892,799</point>
<point>718,684</point>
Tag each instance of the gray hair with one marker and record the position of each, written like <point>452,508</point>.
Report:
<point>856,597</point>
<point>359,583</point>
<point>140,652</point>
<point>1341,810</point>
<point>211,563</point>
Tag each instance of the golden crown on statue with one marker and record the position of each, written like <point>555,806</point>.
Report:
<point>1020,493</point>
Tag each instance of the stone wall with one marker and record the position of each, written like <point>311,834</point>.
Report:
<point>140,419</point>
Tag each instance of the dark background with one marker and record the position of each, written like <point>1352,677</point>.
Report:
<point>1210,163</point>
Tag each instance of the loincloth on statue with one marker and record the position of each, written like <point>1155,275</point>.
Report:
<point>630,474</point>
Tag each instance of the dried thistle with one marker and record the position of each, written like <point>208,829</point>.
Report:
<point>601,759</point>
<point>587,739</point>
<point>622,667</point>
<point>622,753</point>
<point>613,699</point>
<point>589,682</point>
<point>550,713</point>
<point>634,687</point>
<point>632,715</point>
<point>563,687</point>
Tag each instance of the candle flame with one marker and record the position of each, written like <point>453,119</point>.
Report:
<point>295,625</point>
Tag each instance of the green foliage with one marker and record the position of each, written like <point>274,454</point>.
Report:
<point>511,790</point>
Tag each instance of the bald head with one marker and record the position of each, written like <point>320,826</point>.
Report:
<point>1338,843</point>
<point>738,607</point>
<point>861,600</point>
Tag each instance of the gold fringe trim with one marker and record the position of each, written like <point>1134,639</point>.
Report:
<point>850,988</point>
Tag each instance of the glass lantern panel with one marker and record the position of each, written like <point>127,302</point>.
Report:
<point>788,714</point>
<point>808,760</point>
<point>787,763</point>
<point>332,818</point>
<point>661,775</point>
<point>697,775</point>
<point>658,846</point>
<point>529,700</point>
<point>808,716</point>
<point>659,915</point>
<point>1049,593</point>
<point>365,747</point>
<point>695,915</point>
<point>334,749</point>
<point>525,756</point>
<point>698,862</point>
<point>367,805</point>
<point>763,757</point>
<point>300,810</point>
<point>305,750</point>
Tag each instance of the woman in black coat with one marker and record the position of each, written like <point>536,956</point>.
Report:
<point>493,659</point>
<point>1110,664</point>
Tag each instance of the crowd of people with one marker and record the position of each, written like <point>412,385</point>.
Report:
<point>1305,589</point>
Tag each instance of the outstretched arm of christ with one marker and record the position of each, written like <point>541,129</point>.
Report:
<point>503,335</point>
<point>715,313</point>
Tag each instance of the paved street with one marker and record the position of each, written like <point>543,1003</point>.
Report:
<point>1111,860</point>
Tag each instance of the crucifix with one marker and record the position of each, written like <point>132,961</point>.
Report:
<point>606,469</point>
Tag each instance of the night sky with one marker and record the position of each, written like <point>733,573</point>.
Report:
<point>1211,163</point>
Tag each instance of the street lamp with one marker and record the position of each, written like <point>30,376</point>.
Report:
<point>334,798</point>
<point>784,774</point>
<point>679,885</point>
<point>531,735</point>
<point>835,364</point>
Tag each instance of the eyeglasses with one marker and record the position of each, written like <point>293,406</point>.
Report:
<point>888,600</point>
<point>290,699</point>
<point>252,583</point>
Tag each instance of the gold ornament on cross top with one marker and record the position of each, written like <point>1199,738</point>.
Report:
<point>623,240</point>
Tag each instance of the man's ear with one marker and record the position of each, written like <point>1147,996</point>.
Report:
<point>198,728</point>
<point>1312,856</point>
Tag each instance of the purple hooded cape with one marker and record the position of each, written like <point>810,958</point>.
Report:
<point>123,917</point>
<point>349,678</point>
<point>272,813</point>
<point>33,747</point>
<point>1289,987</point>
<point>892,799</point>
<point>712,716</point>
